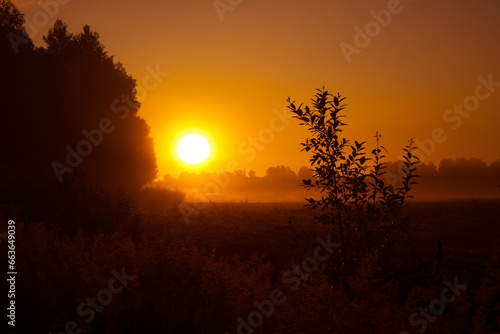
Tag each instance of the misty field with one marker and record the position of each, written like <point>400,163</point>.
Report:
<point>468,229</point>
<point>218,273</point>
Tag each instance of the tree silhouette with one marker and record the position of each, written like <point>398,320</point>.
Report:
<point>56,96</point>
<point>362,207</point>
<point>12,31</point>
<point>57,163</point>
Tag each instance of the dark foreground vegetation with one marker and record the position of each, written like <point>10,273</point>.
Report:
<point>199,278</point>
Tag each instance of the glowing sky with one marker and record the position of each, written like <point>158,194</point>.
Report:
<point>227,76</point>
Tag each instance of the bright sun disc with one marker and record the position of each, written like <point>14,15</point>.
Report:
<point>193,149</point>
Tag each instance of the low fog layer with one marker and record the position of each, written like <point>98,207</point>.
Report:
<point>452,179</point>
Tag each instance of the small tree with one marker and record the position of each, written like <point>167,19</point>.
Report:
<point>356,198</point>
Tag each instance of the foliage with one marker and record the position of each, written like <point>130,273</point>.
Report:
<point>13,34</point>
<point>158,198</point>
<point>55,100</point>
<point>52,94</point>
<point>182,285</point>
<point>356,198</point>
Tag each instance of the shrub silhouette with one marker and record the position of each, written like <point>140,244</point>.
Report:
<point>356,198</point>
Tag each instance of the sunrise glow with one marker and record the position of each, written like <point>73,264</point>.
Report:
<point>193,149</point>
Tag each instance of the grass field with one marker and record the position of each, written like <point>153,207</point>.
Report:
<point>203,276</point>
<point>468,229</point>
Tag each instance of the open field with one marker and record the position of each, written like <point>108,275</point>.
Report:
<point>208,276</point>
<point>468,229</point>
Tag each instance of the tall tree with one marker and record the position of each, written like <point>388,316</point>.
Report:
<point>70,106</point>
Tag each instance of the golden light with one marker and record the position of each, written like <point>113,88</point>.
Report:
<point>193,149</point>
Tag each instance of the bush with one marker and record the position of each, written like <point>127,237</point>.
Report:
<point>356,198</point>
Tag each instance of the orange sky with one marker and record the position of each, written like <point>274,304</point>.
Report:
<point>228,77</point>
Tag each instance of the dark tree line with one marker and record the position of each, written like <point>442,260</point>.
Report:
<point>69,123</point>
<point>52,94</point>
<point>450,179</point>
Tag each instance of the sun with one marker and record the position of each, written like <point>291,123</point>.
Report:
<point>193,149</point>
